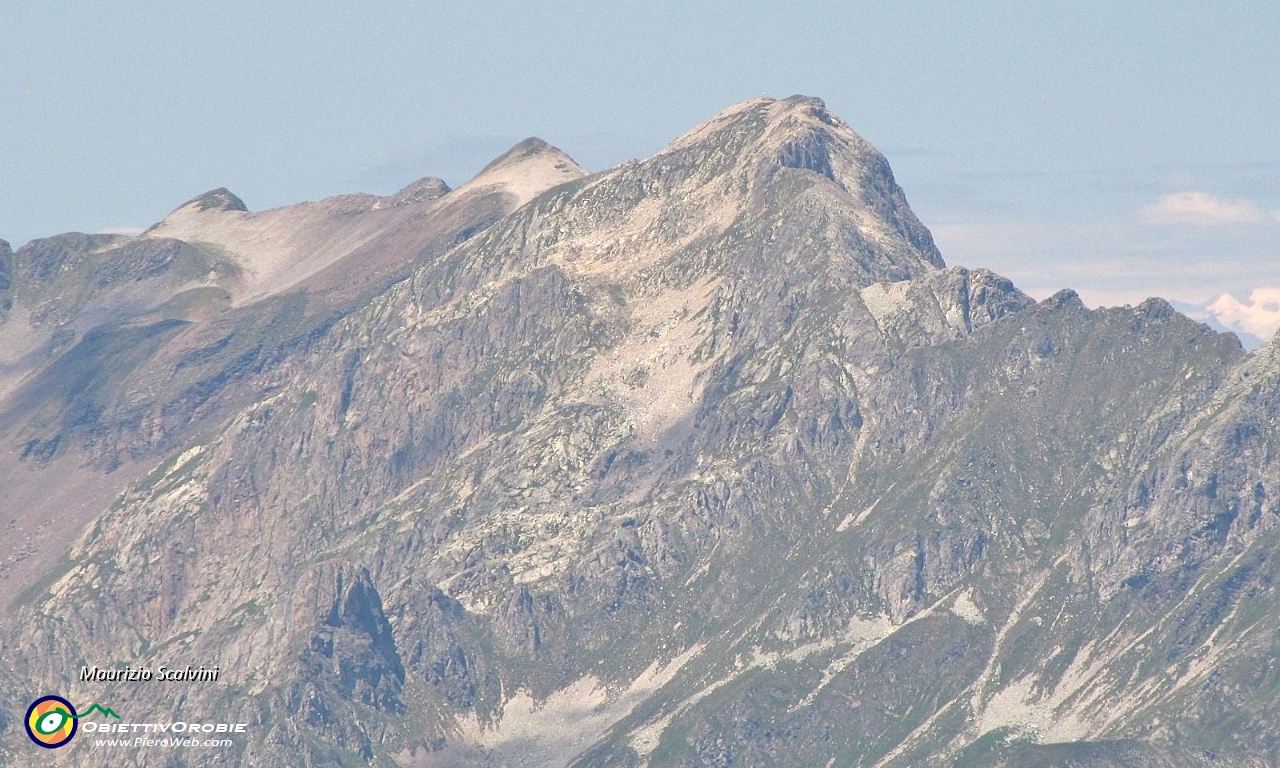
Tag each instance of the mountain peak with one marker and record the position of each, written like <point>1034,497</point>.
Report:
<point>765,116</point>
<point>527,170</point>
<point>426,188</point>
<point>220,199</point>
<point>530,147</point>
<point>701,442</point>
<point>786,145</point>
<point>795,132</point>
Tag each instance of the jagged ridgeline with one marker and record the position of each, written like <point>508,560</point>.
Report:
<point>707,459</point>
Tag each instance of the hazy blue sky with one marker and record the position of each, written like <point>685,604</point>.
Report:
<point>1121,148</point>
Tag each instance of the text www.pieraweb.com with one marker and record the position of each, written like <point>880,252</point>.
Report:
<point>142,741</point>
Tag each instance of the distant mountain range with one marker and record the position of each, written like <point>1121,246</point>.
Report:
<point>705,460</point>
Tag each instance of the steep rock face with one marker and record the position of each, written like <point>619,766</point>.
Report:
<point>704,460</point>
<point>59,287</point>
<point>115,351</point>
<point>79,315</point>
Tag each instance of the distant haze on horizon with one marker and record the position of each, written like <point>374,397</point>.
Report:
<point>1120,151</point>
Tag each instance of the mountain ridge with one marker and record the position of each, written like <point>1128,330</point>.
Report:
<point>707,459</point>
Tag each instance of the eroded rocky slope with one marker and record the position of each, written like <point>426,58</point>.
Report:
<point>705,460</point>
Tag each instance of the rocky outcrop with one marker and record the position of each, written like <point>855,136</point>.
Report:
<point>704,460</point>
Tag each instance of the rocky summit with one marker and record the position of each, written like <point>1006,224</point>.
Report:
<point>705,460</point>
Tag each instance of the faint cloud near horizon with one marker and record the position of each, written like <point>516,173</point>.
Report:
<point>1258,315</point>
<point>1204,209</point>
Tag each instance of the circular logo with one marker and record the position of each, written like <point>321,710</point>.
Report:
<point>51,721</point>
